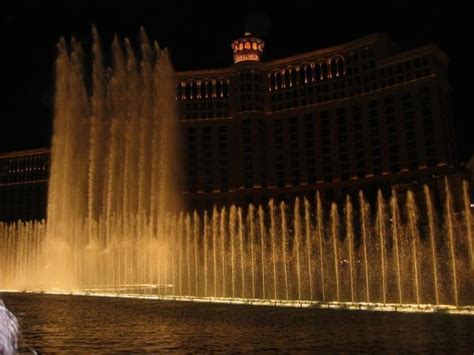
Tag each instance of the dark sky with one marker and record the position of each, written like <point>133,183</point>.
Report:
<point>198,35</point>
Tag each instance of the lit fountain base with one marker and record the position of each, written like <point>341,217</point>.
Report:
<point>353,306</point>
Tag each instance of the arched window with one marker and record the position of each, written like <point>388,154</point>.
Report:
<point>197,93</point>
<point>308,73</point>
<point>209,89</point>
<point>194,90</point>
<point>293,76</point>
<point>275,83</point>
<point>223,84</point>
<point>324,70</point>
<point>333,64</point>
<point>187,94</point>
<point>219,88</point>
<point>247,45</point>
<point>213,87</point>
<point>318,72</point>
<point>340,66</point>
<point>225,89</point>
<point>202,89</point>
<point>179,91</point>
<point>279,80</point>
<point>272,78</point>
<point>303,76</point>
<point>286,79</point>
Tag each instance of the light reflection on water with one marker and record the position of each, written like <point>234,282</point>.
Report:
<point>52,323</point>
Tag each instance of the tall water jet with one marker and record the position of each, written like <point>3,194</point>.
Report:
<point>396,241</point>
<point>106,185</point>
<point>180,252</point>
<point>468,221</point>
<point>273,237</point>
<point>334,236</point>
<point>205,241</point>
<point>413,232</point>
<point>284,245</point>
<point>253,243</point>
<point>188,252</point>
<point>196,235</point>
<point>309,253</point>
<point>297,243</point>
<point>432,232</point>
<point>223,258</point>
<point>215,231</point>
<point>241,242</point>
<point>363,223</point>
<point>350,240</point>
<point>174,238</point>
<point>381,233</point>
<point>320,236</point>
<point>261,222</point>
<point>452,245</point>
<point>232,226</point>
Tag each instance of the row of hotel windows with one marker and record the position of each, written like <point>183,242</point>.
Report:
<point>405,71</point>
<point>306,73</point>
<point>211,137</point>
<point>352,144</point>
<point>249,85</point>
<point>341,88</point>
<point>208,109</point>
<point>250,96</point>
<point>24,169</point>
<point>355,142</point>
<point>293,75</point>
<point>361,78</point>
<point>249,91</point>
<point>26,201</point>
<point>297,75</point>
<point>203,89</point>
<point>318,93</point>
<point>335,67</point>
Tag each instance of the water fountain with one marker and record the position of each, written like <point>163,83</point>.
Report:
<point>115,228</point>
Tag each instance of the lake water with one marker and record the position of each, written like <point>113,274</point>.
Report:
<point>58,323</point>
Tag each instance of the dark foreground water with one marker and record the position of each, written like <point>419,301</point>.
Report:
<point>53,323</point>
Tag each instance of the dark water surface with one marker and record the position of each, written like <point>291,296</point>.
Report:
<point>52,323</point>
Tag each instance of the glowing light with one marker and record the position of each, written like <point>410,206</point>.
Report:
<point>246,57</point>
<point>353,306</point>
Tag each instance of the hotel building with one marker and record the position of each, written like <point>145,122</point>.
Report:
<point>339,119</point>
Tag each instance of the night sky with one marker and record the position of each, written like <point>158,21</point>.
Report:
<point>199,37</point>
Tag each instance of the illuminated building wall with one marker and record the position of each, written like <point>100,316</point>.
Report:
<point>24,184</point>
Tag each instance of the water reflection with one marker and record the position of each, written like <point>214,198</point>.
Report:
<point>53,323</point>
